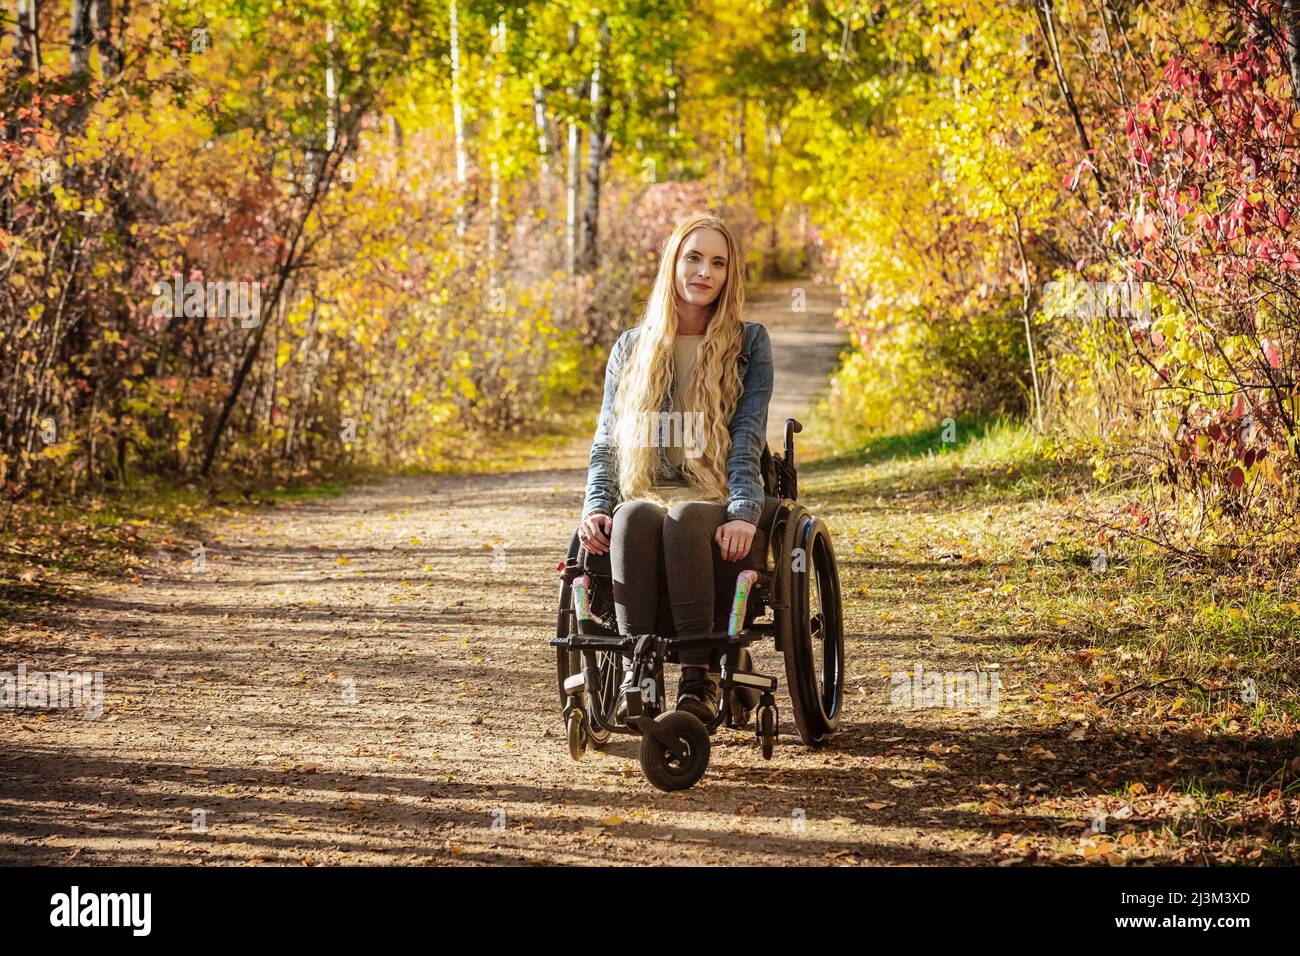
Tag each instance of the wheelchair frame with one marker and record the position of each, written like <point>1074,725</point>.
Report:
<point>799,564</point>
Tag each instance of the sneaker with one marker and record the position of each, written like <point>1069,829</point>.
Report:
<point>698,693</point>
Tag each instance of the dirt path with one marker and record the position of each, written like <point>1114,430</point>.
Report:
<point>366,680</point>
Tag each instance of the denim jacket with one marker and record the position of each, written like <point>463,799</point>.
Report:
<point>748,430</point>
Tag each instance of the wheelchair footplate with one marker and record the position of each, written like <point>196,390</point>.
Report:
<point>675,744</point>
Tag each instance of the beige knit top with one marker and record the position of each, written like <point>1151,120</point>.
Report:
<point>685,351</point>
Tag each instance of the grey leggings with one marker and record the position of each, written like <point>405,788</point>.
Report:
<point>665,558</point>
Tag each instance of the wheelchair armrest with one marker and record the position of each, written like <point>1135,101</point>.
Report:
<point>596,563</point>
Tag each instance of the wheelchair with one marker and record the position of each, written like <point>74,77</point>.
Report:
<point>790,571</point>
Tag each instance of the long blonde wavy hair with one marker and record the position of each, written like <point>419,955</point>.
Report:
<point>715,383</point>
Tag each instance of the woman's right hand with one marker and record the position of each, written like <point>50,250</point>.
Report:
<point>594,532</point>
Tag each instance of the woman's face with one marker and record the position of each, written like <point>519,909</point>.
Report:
<point>701,267</point>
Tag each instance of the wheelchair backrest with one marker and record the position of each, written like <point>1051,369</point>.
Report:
<point>779,479</point>
<point>768,468</point>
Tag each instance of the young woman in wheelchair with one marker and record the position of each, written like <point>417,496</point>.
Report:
<point>674,485</point>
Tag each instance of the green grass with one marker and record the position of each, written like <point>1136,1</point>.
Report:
<point>999,439</point>
<point>987,539</point>
<point>983,549</point>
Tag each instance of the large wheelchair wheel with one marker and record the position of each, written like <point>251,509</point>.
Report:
<point>810,625</point>
<point>608,666</point>
<point>566,661</point>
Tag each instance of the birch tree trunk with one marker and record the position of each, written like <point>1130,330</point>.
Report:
<point>331,93</point>
<point>574,178</point>
<point>672,110</point>
<point>1291,30</point>
<point>79,54</point>
<point>539,120</point>
<point>101,20</point>
<point>771,139</point>
<point>494,215</point>
<point>595,152</point>
<point>79,37</point>
<point>458,119</point>
<point>26,38</point>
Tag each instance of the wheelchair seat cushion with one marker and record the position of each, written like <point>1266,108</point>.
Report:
<point>755,560</point>
<point>724,573</point>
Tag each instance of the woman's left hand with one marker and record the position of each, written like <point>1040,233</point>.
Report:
<point>734,538</point>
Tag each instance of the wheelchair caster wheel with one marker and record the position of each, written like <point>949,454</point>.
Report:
<point>577,733</point>
<point>767,731</point>
<point>667,771</point>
